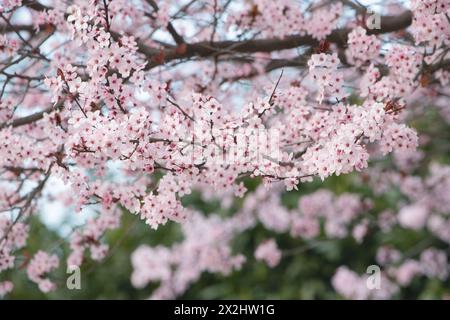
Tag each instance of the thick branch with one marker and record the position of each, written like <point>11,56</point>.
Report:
<point>444,64</point>
<point>31,118</point>
<point>207,49</point>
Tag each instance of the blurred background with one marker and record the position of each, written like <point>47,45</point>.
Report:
<point>307,267</point>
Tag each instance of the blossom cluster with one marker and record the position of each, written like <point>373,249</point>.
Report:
<point>430,22</point>
<point>268,252</point>
<point>324,71</point>
<point>363,48</point>
<point>42,264</point>
<point>133,108</point>
<point>205,248</point>
<point>13,236</point>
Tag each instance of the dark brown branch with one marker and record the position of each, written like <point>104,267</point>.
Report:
<point>35,5</point>
<point>108,23</point>
<point>393,23</point>
<point>207,49</point>
<point>31,118</point>
<point>176,105</point>
<point>444,64</point>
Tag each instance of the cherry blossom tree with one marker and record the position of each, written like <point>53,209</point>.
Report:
<point>134,105</point>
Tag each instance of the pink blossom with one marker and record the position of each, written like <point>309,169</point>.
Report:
<point>406,272</point>
<point>434,264</point>
<point>5,288</point>
<point>40,265</point>
<point>269,253</point>
<point>135,106</point>
<point>363,47</point>
<point>413,216</point>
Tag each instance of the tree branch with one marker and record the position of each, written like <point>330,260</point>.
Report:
<point>31,118</point>
<point>175,35</point>
<point>206,48</point>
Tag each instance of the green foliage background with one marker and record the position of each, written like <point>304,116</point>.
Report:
<point>304,273</point>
